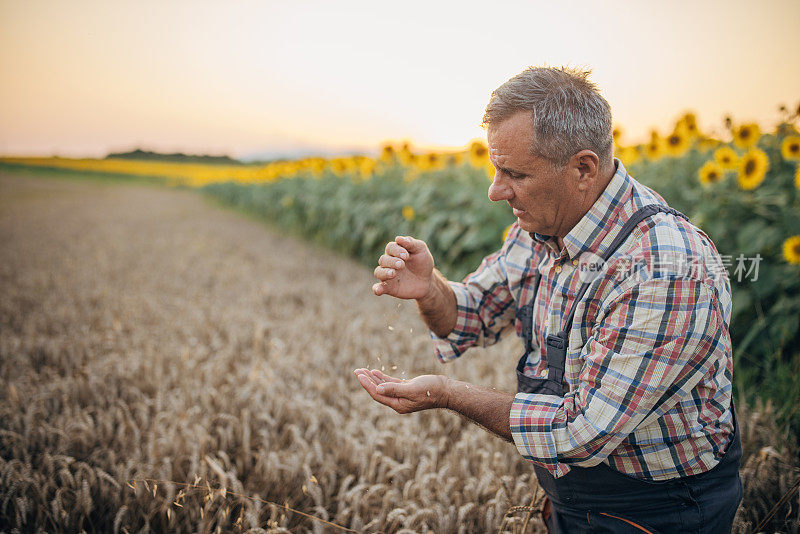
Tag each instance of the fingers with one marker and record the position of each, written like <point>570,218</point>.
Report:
<point>411,244</point>
<point>403,396</point>
<point>369,383</point>
<point>390,262</point>
<point>384,377</point>
<point>380,389</point>
<point>394,249</point>
<point>365,377</point>
<point>403,245</point>
<point>383,274</point>
<point>361,371</point>
<point>387,267</point>
<point>384,384</point>
<point>387,287</point>
<point>376,376</point>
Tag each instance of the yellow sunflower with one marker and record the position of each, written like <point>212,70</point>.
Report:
<point>429,161</point>
<point>726,158</point>
<point>454,159</point>
<point>490,170</point>
<point>752,169</point>
<point>655,149</point>
<point>746,135</point>
<point>678,142</point>
<point>387,153</point>
<point>317,166</point>
<point>367,167</point>
<point>340,166</point>
<point>628,154</point>
<point>791,249</point>
<point>408,213</point>
<point>797,177</point>
<point>790,148</point>
<point>705,144</point>
<point>478,153</point>
<point>689,123</point>
<point>505,232</point>
<point>710,173</point>
<point>410,159</point>
<point>405,155</point>
<point>421,162</point>
<point>616,135</point>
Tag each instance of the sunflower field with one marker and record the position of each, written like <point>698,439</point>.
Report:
<point>742,187</point>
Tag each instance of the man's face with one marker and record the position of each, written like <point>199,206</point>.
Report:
<point>539,194</point>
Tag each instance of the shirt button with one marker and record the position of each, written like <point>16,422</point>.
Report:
<point>575,262</point>
<point>558,269</point>
<point>543,373</point>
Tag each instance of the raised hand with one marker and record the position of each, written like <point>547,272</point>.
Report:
<point>405,396</point>
<point>405,270</point>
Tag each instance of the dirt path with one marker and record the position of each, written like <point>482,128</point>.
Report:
<point>147,333</point>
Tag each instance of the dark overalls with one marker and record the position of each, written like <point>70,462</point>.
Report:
<point>602,499</point>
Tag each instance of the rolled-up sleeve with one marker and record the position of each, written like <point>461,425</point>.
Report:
<point>485,308</point>
<point>651,346</point>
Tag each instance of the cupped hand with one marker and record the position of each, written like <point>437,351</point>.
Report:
<point>405,270</point>
<point>405,396</point>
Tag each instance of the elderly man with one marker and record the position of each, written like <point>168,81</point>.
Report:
<point>624,391</point>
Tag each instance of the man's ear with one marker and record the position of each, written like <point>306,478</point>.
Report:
<point>587,165</point>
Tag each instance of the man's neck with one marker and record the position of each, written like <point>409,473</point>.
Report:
<point>590,202</point>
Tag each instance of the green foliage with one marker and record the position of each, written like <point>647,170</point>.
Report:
<point>358,217</point>
<point>453,215</point>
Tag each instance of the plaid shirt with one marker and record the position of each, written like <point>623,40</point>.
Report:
<point>649,364</point>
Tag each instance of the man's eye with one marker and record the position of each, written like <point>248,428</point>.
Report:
<point>516,175</point>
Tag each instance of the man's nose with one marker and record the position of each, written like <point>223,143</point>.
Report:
<point>500,190</point>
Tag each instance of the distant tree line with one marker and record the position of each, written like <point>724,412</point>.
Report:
<point>140,154</point>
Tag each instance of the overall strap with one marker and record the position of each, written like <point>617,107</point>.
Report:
<point>557,343</point>
<point>640,215</point>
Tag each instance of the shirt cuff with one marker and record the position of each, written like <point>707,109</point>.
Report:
<point>459,339</point>
<point>531,420</point>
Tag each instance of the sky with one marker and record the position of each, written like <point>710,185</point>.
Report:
<point>82,78</point>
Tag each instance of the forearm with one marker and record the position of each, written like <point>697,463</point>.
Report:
<point>488,408</point>
<point>438,307</point>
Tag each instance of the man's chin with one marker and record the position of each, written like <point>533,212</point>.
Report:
<point>529,228</point>
<point>525,226</point>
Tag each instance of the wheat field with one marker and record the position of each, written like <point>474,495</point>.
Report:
<point>167,365</point>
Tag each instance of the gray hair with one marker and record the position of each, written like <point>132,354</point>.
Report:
<point>569,114</point>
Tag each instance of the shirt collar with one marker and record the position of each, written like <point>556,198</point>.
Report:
<point>589,232</point>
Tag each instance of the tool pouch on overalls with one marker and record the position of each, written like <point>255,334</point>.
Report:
<point>555,353</point>
<point>551,383</point>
